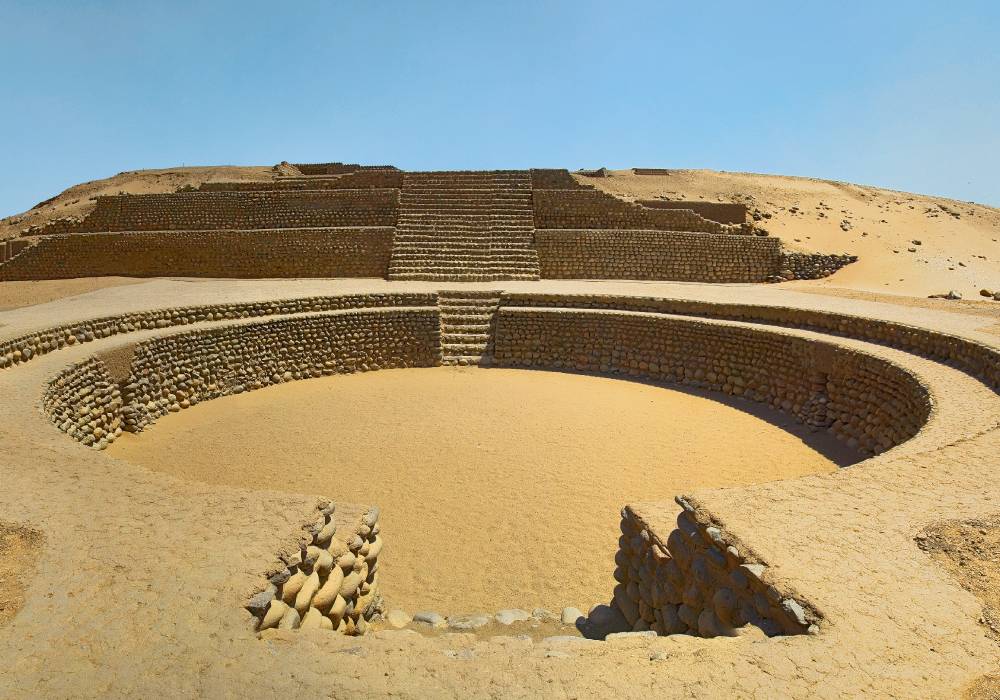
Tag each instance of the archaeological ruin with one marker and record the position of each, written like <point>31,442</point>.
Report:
<point>332,269</point>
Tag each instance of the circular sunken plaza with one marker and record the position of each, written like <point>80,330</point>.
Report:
<point>354,430</point>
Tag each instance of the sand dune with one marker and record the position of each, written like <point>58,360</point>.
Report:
<point>907,243</point>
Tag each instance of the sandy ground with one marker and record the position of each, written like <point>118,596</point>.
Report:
<point>540,461</point>
<point>970,551</point>
<point>19,547</point>
<point>14,295</point>
<point>908,243</point>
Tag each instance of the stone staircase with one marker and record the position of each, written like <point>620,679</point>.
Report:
<point>467,326</point>
<point>465,227</point>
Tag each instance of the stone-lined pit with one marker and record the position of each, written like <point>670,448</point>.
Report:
<point>869,403</point>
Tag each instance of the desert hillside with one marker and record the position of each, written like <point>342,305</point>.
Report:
<point>907,243</point>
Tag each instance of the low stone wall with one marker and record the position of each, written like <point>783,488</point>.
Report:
<point>9,249</point>
<point>26,347</point>
<point>330,581</point>
<point>655,255</point>
<point>178,371</point>
<point>323,252</point>
<point>336,168</point>
<point>555,179</point>
<point>575,209</point>
<point>974,358</point>
<point>812,266</point>
<point>722,212</point>
<point>688,576</point>
<point>194,211</point>
<point>863,400</point>
<point>362,179</point>
<point>85,403</point>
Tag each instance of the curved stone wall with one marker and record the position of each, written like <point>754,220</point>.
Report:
<point>85,403</point>
<point>970,356</point>
<point>178,371</point>
<point>674,574</point>
<point>863,400</point>
<point>25,347</point>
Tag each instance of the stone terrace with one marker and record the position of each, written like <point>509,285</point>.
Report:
<point>446,226</point>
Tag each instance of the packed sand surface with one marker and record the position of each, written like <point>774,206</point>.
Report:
<point>499,488</point>
<point>14,295</point>
<point>907,243</point>
<point>19,548</point>
<point>970,551</point>
<point>79,200</point>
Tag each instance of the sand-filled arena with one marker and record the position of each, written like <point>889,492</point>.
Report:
<point>551,453</point>
<point>469,476</point>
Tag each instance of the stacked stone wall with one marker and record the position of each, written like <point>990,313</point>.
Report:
<point>972,357</point>
<point>863,400</point>
<point>320,252</point>
<point>331,581</point>
<point>23,348</point>
<point>576,209</point>
<point>362,179</point>
<point>85,403</point>
<point>178,371</point>
<point>655,255</point>
<point>555,179</point>
<point>193,211</point>
<point>812,266</point>
<point>722,212</point>
<point>691,577</point>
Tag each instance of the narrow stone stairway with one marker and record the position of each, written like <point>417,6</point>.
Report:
<point>467,326</point>
<point>465,227</point>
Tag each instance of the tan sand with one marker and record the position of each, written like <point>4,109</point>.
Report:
<point>959,242</point>
<point>15,295</point>
<point>19,549</point>
<point>499,488</point>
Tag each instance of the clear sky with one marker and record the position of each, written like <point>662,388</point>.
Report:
<point>898,94</point>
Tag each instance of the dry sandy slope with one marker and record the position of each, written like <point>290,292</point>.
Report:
<point>78,201</point>
<point>544,470</point>
<point>959,242</point>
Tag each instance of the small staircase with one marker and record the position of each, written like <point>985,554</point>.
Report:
<point>467,326</point>
<point>465,227</point>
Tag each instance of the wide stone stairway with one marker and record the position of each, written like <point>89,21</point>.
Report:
<point>467,326</point>
<point>465,227</point>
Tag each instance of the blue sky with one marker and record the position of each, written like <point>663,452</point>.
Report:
<point>897,94</point>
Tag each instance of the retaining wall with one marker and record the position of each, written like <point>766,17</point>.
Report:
<point>863,400</point>
<point>722,212</point>
<point>23,348</point>
<point>812,266</point>
<point>320,252</point>
<point>685,574</point>
<point>972,357</point>
<point>177,371</point>
<point>655,255</point>
<point>362,179</point>
<point>575,209</point>
<point>193,211</point>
